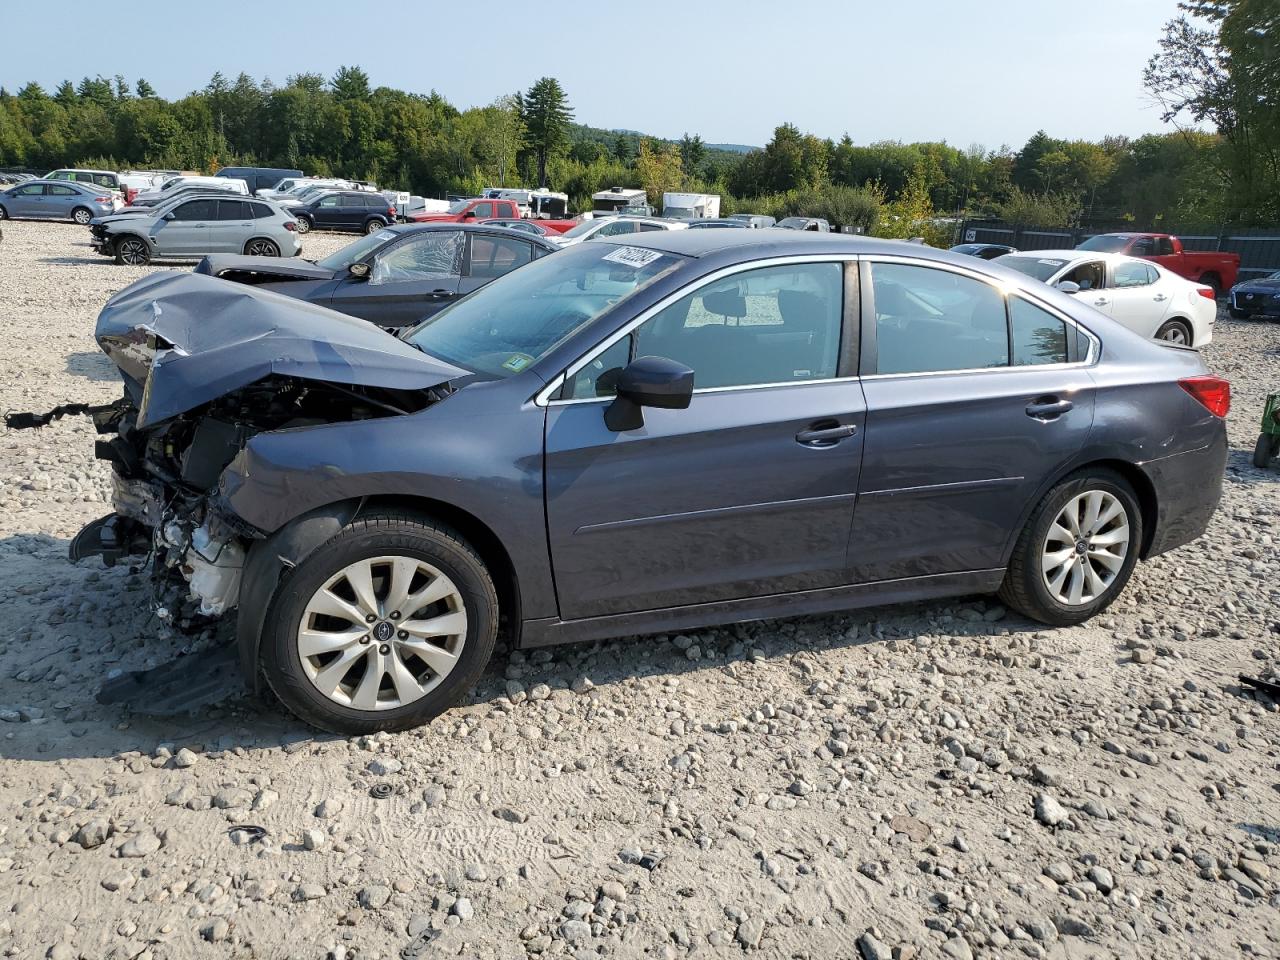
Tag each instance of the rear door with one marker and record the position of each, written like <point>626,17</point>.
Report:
<point>61,198</point>
<point>489,257</point>
<point>735,496</point>
<point>1138,299</point>
<point>233,228</point>
<point>974,400</point>
<point>407,281</point>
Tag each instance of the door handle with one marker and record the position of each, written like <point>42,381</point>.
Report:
<point>1048,408</point>
<point>1159,298</point>
<point>1101,302</point>
<point>826,436</point>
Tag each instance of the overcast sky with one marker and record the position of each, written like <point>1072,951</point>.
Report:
<point>965,71</point>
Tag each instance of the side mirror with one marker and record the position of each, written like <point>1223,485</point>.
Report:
<point>168,216</point>
<point>1069,286</point>
<point>469,215</point>
<point>648,382</point>
<point>358,270</point>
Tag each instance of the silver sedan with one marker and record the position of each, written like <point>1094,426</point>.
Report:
<point>57,200</point>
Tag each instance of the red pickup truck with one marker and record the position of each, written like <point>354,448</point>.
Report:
<point>480,209</point>
<point>1216,270</point>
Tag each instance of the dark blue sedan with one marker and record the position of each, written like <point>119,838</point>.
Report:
<point>1255,298</point>
<point>638,435</point>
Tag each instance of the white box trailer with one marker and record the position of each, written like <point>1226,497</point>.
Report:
<point>615,198</point>
<point>691,206</point>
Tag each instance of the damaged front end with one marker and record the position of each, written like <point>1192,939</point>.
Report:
<point>207,366</point>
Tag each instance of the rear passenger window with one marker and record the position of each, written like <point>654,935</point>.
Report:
<point>930,320</point>
<point>494,256</point>
<point>1133,274</point>
<point>261,211</point>
<point>1038,336</point>
<point>57,190</point>
<point>765,326</point>
<point>232,210</point>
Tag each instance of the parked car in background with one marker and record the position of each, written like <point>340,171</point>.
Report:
<point>290,187</point>
<point>99,178</point>
<point>343,210</point>
<point>1259,297</point>
<point>149,198</point>
<point>394,277</point>
<point>57,200</point>
<point>257,178</point>
<point>217,223</point>
<point>524,226</point>
<point>984,251</point>
<point>1216,270</point>
<point>177,193</point>
<point>757,220</point>
<point>466,211</point>
<point>1142,296</point>
<point>538,453</point>
<point>598,228</point>
<point>718,222</point>
<point>814,224</point>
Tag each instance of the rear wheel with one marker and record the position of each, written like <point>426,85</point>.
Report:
<point>1175,331</point>
<point>1077,551</point>
<point>373,226</point>
<point>1265,450</point>
<point>82,215</point>
<point>132,252</point>
<point>262,248</point>
<point>304,224</point>
<point>382,628</point>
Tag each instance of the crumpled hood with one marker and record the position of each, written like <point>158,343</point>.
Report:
<point>185,339</point>
<point>125,213</point>
<point>287,268</point>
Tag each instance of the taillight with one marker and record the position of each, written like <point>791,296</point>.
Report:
<point>1213,393</point>
<point>1207,293</point>
<point>102,199</point>
<point>290,226</point>
<point>391,212</point>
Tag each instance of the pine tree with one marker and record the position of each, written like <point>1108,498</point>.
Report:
<point>546,117</point>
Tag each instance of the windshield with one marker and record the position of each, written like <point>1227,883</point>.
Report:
<point>792,222</point>
<point>352,252</point>
<point>458,206</point>
<point>583,229</point>
<point>515,321</point>
<point>1042,268</point>
<point>171,183</point>
<point>679,213</point>
<point>1106,243</point>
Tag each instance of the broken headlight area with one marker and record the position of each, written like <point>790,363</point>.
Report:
<point>166,506</point>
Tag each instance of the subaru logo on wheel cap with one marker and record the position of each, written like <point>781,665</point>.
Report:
<point>384,631</point>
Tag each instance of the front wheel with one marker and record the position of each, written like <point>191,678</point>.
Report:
<point>304,225</point>
<point>1265,450</point>
<point>381,628</point>
<point>261,248</point>
<point>82,215</point>
<point>1175,331</point>
<point>1077,551</point>
<point>4,214</point>
<point>132,252</point>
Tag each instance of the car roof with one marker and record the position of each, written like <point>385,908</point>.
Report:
<point>770,241</point>
<point>484,228</point>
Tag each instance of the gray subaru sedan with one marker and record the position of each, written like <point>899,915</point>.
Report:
<point>657,433</point>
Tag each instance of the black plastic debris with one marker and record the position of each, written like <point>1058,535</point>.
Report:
<point>380,791</point>
<point>256,834</point>
<point>180,686</point>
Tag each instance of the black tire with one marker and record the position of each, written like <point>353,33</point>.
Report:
<point>304,223</point>
<point>82,216</point>
<point>4,214</point>
<point>1265,450</point>
<point>1238,314</point>
<point>261,247</point>
<point>1024,587</point>
<point>374,225</point>
<point>376,535</point>
<point>1176,331</point>
<point>132,251</point>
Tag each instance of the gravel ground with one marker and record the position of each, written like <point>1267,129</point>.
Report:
<point>936,780</point>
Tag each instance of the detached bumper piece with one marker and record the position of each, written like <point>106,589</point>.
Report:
<point>181,686</point>
<point>110,537</point>
<point>30,421</point>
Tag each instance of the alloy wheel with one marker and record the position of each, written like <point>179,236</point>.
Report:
<point>133,253</point>
<point>1175,333</point>
<point>81,216</point>
<point>263,248</point>
<point>382,632</point>
<point>1085,548</point>
<point>304,225</point>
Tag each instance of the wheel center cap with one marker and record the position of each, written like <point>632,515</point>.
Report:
<point>383,631</point>
<point>1082,547</point>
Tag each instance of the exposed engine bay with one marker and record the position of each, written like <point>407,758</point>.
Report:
<point>206,367</point>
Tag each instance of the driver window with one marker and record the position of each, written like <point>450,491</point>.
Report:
<point>195,210</point>
<point>1089,276</point>
<point>434,254</point>
<point>764,326</point>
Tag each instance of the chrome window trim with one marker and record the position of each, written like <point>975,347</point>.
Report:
<point>1090,358</point>
<point>543,398</point>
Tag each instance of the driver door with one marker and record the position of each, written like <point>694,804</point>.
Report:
<point>407,281</point>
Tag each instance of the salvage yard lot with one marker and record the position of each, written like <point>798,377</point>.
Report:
<point>944,778</point>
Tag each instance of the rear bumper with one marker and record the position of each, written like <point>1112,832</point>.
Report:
<point>1188,488</point>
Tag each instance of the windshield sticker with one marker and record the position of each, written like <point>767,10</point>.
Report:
<point>385,235</point>
<point>632,256</point>
<point>517,362</point>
